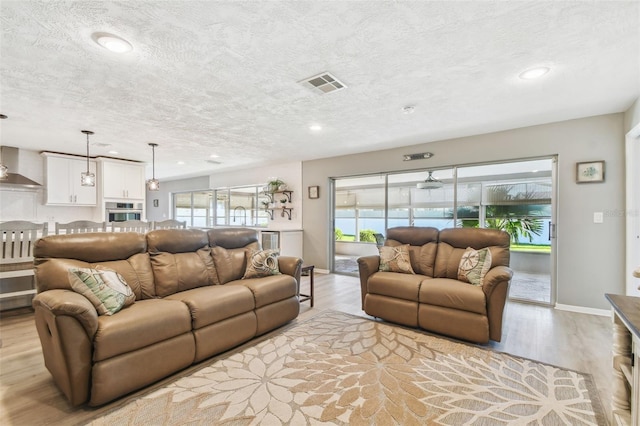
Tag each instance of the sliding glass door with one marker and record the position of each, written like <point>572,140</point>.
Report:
<point>516,197</point>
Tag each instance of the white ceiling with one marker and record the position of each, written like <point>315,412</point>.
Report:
<point>218,77</point>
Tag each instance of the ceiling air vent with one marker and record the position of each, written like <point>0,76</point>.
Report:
<point>323,83</point>
<point>213,162</point>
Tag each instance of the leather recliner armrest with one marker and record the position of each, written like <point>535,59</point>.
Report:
<point>367,265</point>
<point>65,302</point>
<point>496,288</point>
<point>495,276</point>
<point>291,266</point>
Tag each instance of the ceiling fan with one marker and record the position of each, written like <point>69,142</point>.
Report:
<point>429,183</point>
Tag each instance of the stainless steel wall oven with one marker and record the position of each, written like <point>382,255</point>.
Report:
<point>120,212</point>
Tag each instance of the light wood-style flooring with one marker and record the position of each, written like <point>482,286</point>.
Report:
<point>579,342</point>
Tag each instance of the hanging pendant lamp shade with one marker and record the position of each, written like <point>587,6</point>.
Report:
<point>430,183</point>
<point>153,184</point>
<point>87,178</point>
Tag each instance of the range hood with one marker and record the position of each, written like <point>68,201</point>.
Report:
<point>10,158</point>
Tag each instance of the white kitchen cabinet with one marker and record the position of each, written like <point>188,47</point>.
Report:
<point>63,185</point>
<point>122,180</point>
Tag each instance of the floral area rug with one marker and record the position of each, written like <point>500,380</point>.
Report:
<point>340,369</point>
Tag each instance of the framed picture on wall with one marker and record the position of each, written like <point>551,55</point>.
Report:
<point>314,192</point>
<point>590,172</point>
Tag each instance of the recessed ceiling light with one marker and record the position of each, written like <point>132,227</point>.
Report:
<point>214,156</point>
<point>112,42</point>
<point>533,73</point>
<point>181,163</point>
<point>113,152</point>
<point>315,127</point>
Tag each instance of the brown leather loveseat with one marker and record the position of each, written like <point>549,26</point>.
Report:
<point>190,304</point>
<point>433,297</point>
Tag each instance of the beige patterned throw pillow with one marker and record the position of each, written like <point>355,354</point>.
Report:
<point>474,265</point>
<point>395,259</point>
<point>261,263</point>
<point>105,289</point>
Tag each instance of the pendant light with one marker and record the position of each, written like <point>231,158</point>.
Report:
<point>87,178</point>
<point>430,183</point>
<point>4,170</point>
<point>153,184</point>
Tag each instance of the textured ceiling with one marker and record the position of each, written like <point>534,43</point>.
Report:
<point>222,78</point>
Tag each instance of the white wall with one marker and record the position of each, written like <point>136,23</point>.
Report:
<point>590,256</point>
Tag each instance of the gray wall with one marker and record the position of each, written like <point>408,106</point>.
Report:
<point>164,209</point>
<point>590,256</point>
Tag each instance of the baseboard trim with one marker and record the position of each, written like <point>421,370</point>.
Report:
<point>322,271</point>
<point>583,310</point>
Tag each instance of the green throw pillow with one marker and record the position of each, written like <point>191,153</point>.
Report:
<point>106,289</point>
<point>261,263</point>
<point>474,265</point>
<point>395,259</point>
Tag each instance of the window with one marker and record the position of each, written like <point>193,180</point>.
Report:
<point>242,206</point>
<point>195,208</point>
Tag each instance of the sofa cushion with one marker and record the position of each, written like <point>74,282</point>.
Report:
<point>474,265</point>
<point>52,273</point>
<point>496,240</point>
<point>392,284</point>
<point>91,246</point>
<point>454,294</point>
<point>423,243</point>
<point>142,324</point>
<point>136,271</point>
<point>395,259</point>
<point>422,257</point>
<point>230,264</point>
<point>212,304</point>
<point>261,263</point>
<point>174,272</point>
<point>270,289</point>
<point>105,289</point>
<point>176,240</point>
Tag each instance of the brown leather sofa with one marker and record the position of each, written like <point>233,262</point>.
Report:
<point>190,304</point>
<point>433,298</point>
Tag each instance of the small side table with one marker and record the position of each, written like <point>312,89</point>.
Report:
<point>307,270</point>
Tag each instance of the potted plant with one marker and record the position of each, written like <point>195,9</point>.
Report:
<point>274,184</point>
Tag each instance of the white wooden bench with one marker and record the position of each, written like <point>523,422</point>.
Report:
<point>18,239</point>
<point>170,224</point>
<point>131,226</point>
<point>80,226</point>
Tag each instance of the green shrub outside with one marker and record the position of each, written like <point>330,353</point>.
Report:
<point>367,235</point>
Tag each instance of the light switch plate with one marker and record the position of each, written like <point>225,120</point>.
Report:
<point>598,217</point>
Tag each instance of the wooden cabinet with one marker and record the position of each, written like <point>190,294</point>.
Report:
<point>122,180</point>
<point>63,181</point>
<point>625,398</point>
